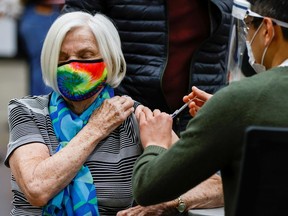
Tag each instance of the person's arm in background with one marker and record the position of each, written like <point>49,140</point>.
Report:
<point>90,6</point>
<point>208,194</point>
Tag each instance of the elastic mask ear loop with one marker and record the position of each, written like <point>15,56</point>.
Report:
<point>266,48</point>
<point>256,33</point>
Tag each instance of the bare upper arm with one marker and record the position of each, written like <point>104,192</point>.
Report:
<point>24,159</point>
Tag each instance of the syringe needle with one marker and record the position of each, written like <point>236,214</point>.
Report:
<point>180,109</point>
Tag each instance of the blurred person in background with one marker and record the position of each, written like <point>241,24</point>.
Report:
<point>34,23</point>
<point>10,8</point>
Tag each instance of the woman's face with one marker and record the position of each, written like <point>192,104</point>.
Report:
<point>79,44</point>
<point>81,72</point>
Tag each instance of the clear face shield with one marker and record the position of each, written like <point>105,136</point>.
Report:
<point>241,17</point>
<point>237,43</point>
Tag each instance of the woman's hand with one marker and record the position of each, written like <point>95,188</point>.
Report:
<point>111,114</point>
<point>198,98</point>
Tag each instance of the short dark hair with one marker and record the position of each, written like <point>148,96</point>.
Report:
<point>272,8</point>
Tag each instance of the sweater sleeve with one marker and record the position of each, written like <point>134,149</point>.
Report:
<point>207,145</point>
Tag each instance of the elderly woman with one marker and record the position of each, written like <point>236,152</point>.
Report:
<point>72,152</point>
<point>62,143</point>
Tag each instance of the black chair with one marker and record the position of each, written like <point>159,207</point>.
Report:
<point>263,187</point>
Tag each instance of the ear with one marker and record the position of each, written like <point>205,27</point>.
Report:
<point>269,30</point>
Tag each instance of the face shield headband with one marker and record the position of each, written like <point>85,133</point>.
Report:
<point>278,22</point>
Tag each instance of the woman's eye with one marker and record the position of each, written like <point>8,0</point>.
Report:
<point>87,55</point>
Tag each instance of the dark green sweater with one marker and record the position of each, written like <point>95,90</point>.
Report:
<point>213,140</point>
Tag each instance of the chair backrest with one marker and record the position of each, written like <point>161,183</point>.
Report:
<point>263,187</point>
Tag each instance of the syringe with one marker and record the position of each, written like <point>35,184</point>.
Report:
<point>180,109</point>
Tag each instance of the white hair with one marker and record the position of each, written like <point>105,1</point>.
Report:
<point>107,39</point>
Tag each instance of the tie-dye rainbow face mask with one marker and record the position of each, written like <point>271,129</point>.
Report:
<point>81,79</point>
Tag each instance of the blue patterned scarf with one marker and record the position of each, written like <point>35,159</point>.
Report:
<point>79,197</point>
